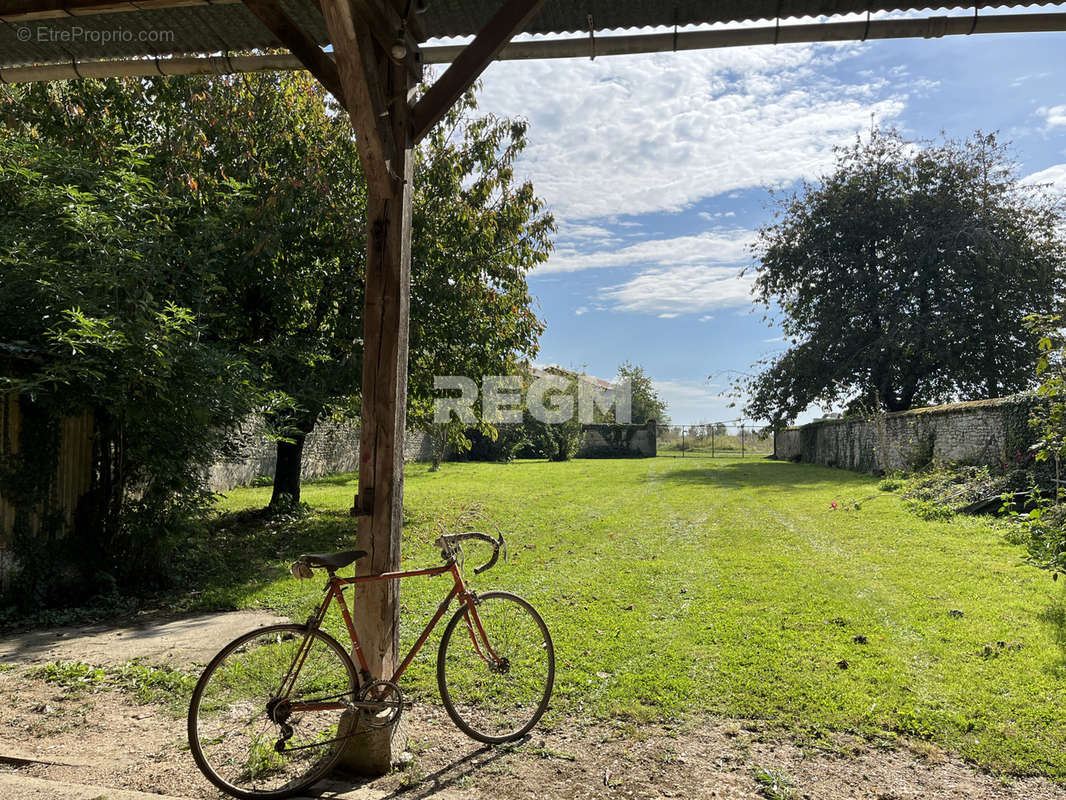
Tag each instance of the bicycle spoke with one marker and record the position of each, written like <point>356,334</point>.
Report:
<point>236,718</point>
<point>495,685</point>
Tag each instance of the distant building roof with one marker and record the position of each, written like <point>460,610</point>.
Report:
<point>554,369</point>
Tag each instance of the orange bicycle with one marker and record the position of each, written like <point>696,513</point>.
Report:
<point>271,712</point>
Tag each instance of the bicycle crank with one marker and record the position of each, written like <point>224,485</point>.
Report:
<point>380,702</point>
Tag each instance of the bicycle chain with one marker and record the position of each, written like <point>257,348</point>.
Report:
<point>288,732</point>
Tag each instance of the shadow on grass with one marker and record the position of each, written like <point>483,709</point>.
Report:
<point>757,473</point>
<point>346,479</point>
<point>1054,617</point>
<point>209,567</point>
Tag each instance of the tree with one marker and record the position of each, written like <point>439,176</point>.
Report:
<point>271,197</point>
<point>903,277</point>
<point>89,259</point>
<point>645,402</point>
<point>477,233</point>
<point>557,439</point>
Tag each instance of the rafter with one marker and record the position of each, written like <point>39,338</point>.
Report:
<point>470,63</point>
<point>299,43</point>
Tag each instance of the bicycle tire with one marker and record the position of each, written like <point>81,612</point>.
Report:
<point>497,706</point>
<point>240,759</point>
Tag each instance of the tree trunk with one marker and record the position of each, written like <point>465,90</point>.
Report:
<point>289,464</point>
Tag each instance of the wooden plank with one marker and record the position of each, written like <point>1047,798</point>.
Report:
<point>299,43</point>
<point>357,61</point>
<point>477,55</point>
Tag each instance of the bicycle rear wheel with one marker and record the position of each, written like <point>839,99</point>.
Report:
<point>237,716</point>
<point>495,687</point>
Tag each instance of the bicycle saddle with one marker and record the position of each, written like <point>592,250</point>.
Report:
<point>332,560</point>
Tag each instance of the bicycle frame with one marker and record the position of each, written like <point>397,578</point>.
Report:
<point>334,592</point>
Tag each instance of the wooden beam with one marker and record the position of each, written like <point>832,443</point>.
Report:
<point>413,20</point>
<point>477,55</point>
<point>357,61</point>
<point>387,27</point>
<point>300,44</point>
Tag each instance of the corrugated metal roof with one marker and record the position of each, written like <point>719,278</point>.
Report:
<point>463,17</point>
<point>230,27</point>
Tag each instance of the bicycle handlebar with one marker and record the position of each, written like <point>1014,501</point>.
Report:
<point>450,547</point>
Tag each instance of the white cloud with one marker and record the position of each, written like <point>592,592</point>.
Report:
<point>580,311</point>
<point>1054,116</point>
<point>712,247</point>
<point>690,402</point>
<point>659,132</point>
<point>1054,175</point>
<point>577,231</point>
<point>680,290</point>
<point>690,390</point>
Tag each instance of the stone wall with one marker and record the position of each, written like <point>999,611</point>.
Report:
<point>331,448</point>
<point>618,441</point>
<point>989,432</point>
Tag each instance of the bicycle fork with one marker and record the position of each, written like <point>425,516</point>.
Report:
<point>476,629</point>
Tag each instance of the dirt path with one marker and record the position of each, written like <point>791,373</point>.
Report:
<point>157,640</point>
<point>58,743</point>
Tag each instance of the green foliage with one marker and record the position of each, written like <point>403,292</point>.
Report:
<point>70,674</point>
<point>942,493</point>
<point>557,441</point>
<point>178,252</point>
<point>509,442</point>
<point>646,403</point>
<point>1043,531</point>
<point>903,276</point>
<point>1043,526</point>
<point>891,483</point>
<point>91,261</point>
<point>478,231</point>
<point>269,201</point>
<point>1048,418</point>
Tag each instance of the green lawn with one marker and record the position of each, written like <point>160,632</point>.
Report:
<point>679,586</point>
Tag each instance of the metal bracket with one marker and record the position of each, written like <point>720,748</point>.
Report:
<point>363,505</point>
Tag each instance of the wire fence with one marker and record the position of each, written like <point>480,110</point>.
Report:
<point>728,439</point>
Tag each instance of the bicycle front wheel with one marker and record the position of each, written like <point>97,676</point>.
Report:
<point>496,667</point>
<point>243,734</point>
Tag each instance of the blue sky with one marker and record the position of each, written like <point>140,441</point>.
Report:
<point>657,168</point>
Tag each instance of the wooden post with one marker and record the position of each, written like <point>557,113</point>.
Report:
<point>383,415</point>
<point>377,84</point>
<point>378,90</point>
<point>384,399</point>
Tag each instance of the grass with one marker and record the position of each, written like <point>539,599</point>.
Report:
<point>773,783</point>
<point>161,685</point>
<point>675,587</point>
